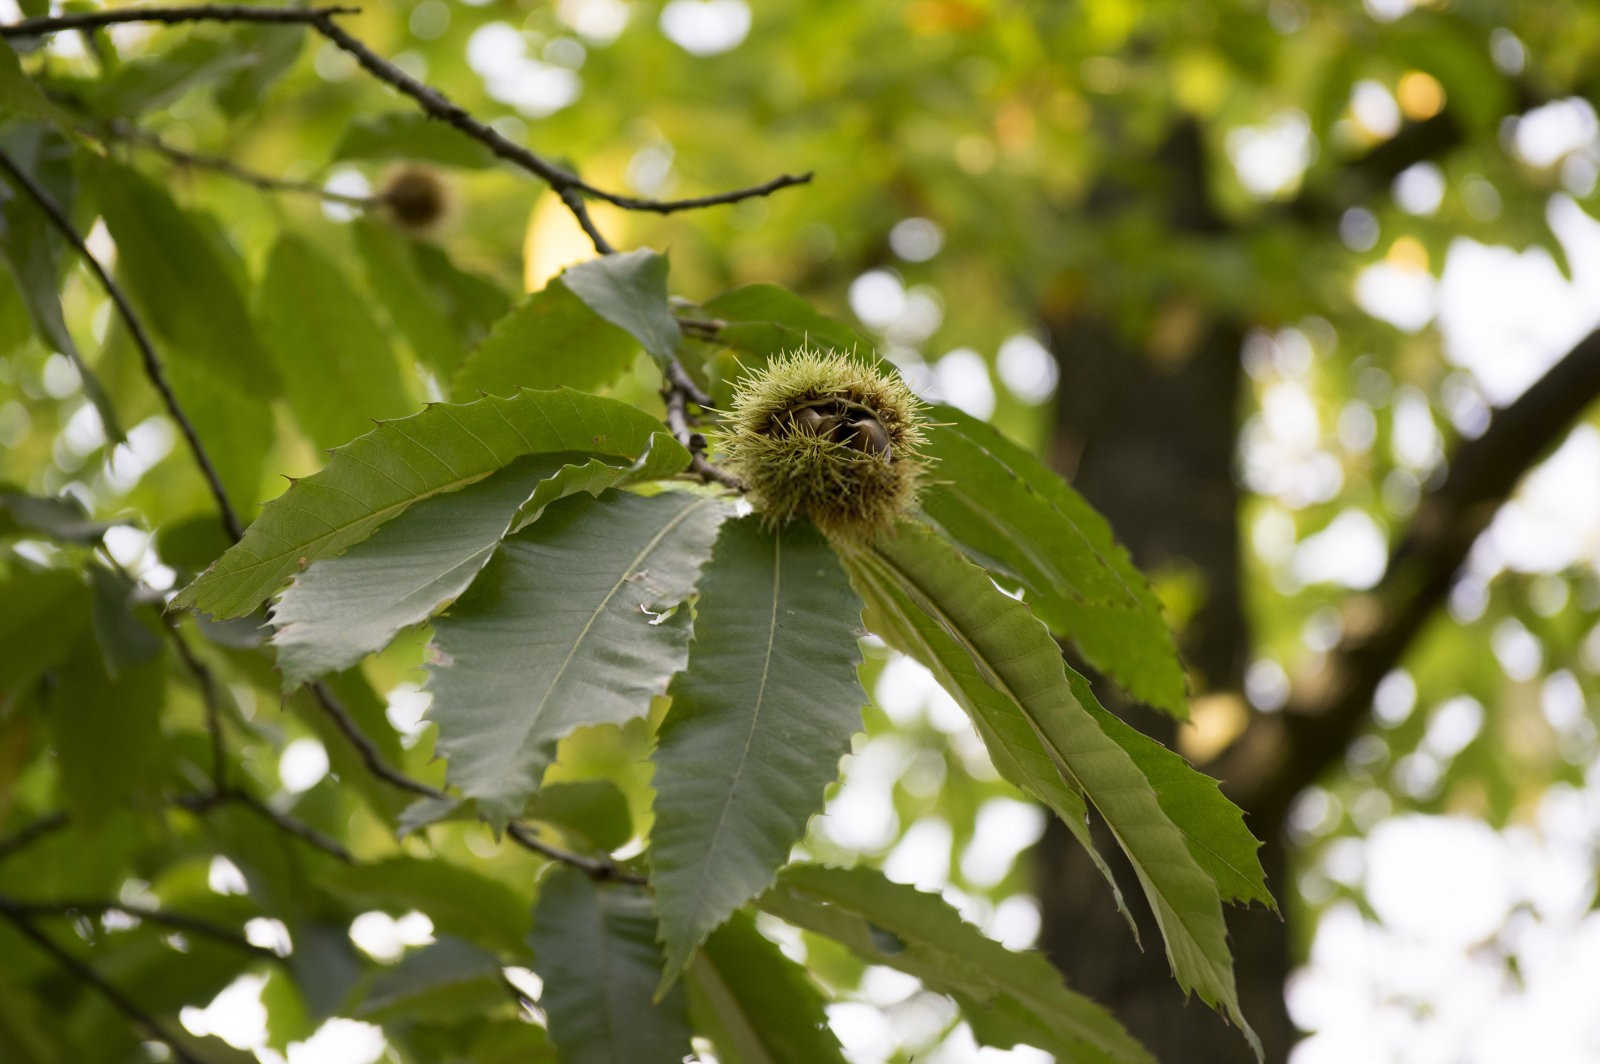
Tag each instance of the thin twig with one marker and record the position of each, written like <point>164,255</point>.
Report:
<point>81,971</point>
<point>90,20</point>
<point>208,695</point>
<point>370,755</point>
<point>152,363</point>
<point>193,925</point>
<point>204,803</point>
<point>266,182</point>
<point>678,392</point>
<point>29,833</point>
<point>599,869</point>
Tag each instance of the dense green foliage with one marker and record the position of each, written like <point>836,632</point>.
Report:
<point>641,692</point>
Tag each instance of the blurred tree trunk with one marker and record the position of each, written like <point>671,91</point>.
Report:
<point>1148,437</point>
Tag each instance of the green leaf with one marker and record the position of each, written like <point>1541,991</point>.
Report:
<point>593,811</point>
<point>629,289</point>
<point>1213,826</point>
<point>31,246</point>
<point>153,82</point>
<point>375,477</point>
<point>62,518</point>
<point>473,302</point>
<point>562,629</point>
<point>45,612</point>
<point>20,97</point>
<point>759,720</point>
<point>462,902</point>
<point>757,1006</point>
<point>444,980</point>
<point>235,426</point>
<point>551,339</point>
<point>182,286</point>
<point>106,732</point>
<point>343,608</point>
<point>595,948</point>
<point>272,51</point>
<point>1015,655</point>
<point>411,135</point>
<point>418,309</point>
<point>126,642</point>
<point>1007,997</point>
<point>766,319</point>
<point>1011,514</point>
<point>1016,747</point>
<point>336,364</point>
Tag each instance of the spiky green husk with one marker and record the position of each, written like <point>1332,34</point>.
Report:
<point>796,436</point>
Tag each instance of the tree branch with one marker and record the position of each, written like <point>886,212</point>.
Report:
<point>107,990</point>
<point>126,131</point>
<point>29,833</point>
<point>92,20</point>
<point>193,925</point>
<point>204,803</point>
<point>370,755</point>
<point>1285,752</point>
<point>153,367</point>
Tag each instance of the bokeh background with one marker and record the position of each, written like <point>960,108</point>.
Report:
<point>1249,273</point>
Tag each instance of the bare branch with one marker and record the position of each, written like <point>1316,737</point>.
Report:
<point>599,869</point>
<point>91,20</point>
<point>183,922</point>
<point>82,972</point>
<point>267,183</point>
<point>153,367</point>
<point>204,803</point>
<point>1289,750</point>
<point>29,833</point>
<point>370,755</point>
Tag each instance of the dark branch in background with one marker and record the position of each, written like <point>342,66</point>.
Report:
<point>209,695</point>
<point>370,755</point>
<point>204,803</point>
<point>90,20</point>
<point>107,990</point>
<point>599,869</point>
<point>1288,750</point>
<point>152,363</point>
<point>30,833</point>
<point>267,183</point>
<point>193,925</point>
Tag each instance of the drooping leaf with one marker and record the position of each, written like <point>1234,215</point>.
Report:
<point>126,641</point>
<point>62,517</point>
<point>343,608</point>
<point>45,612</point>
<point>32,250</point>
<point>106,732</point>
<point>447,979</point>
<point>235,426</point>
<point>411,135</point>
<point>563,629</point>
<point>20,97</point>
<point>375,477</point>
<point>1212,825</point>
<point>474,302</point>
<point>183,288</point>
<point>629,289</point>
<point>1010,513</point>
<point>595,948</point>
<point>338,370</point>
<point>551,339</point>
<point>417,308</point>
<point>1018,751</point>
<point>757,1006</point>
<point>759,720</point>
<point>1007,997</point>
<point>272,51</point>
<point>1014,654</point>
<point>151,82</point>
